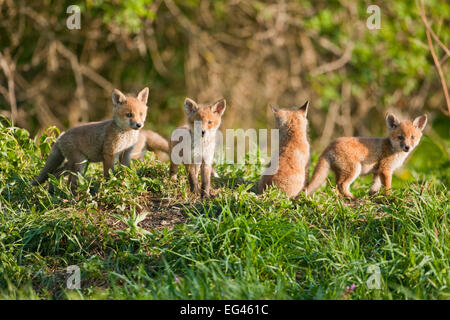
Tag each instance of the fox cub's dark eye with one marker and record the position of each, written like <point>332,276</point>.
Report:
<point>210,122</point>
<point>129,114</point>
<point>400,137</point>
<point>412,137</point>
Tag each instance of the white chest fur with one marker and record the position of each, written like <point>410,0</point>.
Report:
<point>203,147</point>
<point>125,140</point>
<point>398,160</point>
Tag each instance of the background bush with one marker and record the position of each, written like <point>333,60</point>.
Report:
<point>250,52</point>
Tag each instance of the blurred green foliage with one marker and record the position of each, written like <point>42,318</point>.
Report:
<point>204,49</point>
<point>127,14</point>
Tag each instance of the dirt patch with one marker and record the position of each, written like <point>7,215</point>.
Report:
<point>163,213</point>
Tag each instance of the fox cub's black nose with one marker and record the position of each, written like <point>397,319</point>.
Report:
<point>406,148</point>
<point>138,125</point>
<point>203,133</point>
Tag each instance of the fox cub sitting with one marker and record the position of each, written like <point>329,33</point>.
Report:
<point>292,173</point>
<point>99,141</point>
<point>207,119</point>
<point>350,157</point>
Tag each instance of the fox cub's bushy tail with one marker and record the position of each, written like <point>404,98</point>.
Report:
<point>320,174</point>
<point>155,141</point>
<point>53,162</point>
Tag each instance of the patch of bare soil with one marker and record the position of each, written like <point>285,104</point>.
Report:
<point>163,213</point>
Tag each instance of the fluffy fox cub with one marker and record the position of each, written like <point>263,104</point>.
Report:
<point>293,159</point>
<point>350,157</point>
<point>151,141</point>
<point>203,122</point>
<point>99,141</point>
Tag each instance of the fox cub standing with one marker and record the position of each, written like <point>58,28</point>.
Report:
<point>99,141</point>
<point>151,141</point>
<point>293,161</point>
<point>350,157</point>
<point>208,118</point>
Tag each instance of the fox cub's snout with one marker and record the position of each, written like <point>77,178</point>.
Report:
<point>209,117</point>
<point>405,135</point>
<point>130,112</point>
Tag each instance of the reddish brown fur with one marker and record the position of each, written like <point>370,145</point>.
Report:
<point>292,173</point>
<point>207,117</point>
<point>210,117</point>
<point>350,157</point>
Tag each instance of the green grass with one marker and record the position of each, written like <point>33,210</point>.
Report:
<point>141,236</point>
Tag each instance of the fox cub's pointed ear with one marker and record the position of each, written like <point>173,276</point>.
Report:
<point>190,106</point>
<point>219,107</point>
<point>392,121</point>
<point>274,108</point>
<point>143,95</point>
<point>304,108</point>
<point>118,97</point>
<point>420,122</point>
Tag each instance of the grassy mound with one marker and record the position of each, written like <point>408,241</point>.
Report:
<point>141,236</point>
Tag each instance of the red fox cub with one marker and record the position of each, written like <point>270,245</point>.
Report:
<point>203,122</point>
<point>99,141</point>
<point>350,157</point>
<point>293,159</point>
<point>151,141</point>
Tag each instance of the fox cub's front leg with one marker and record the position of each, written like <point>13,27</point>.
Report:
<point>386,180</point>
<point>109,159</point>
<point>206,179</point>
<point>173,171</point>
<point>376,184</point>
<point>108,163</point>
<point>125,157</point>
<point>193,170</point>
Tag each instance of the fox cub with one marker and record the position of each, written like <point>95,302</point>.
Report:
<point>207,119</point>
<point>151,141</point>
<point>292,173</point>
<point>350,157</point>
<point>99,141</point>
